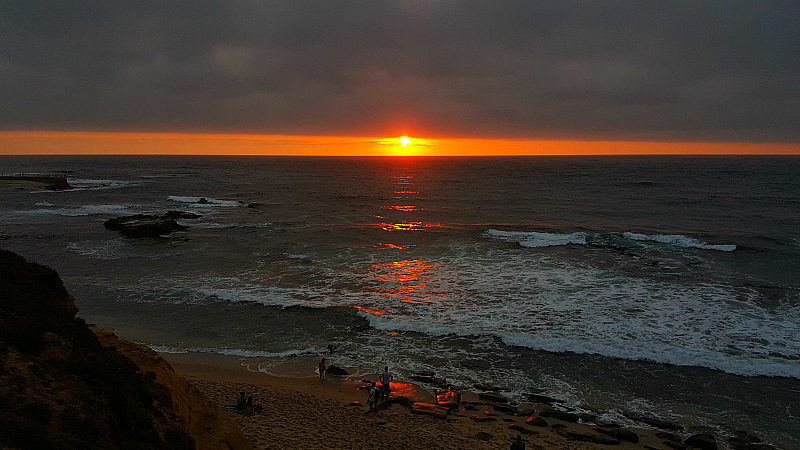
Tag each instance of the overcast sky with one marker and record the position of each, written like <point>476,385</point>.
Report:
<point>627,70</point>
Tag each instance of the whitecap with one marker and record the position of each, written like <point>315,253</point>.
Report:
<point>679,241</point>
<point>207,202</point>
<point>534,239</point>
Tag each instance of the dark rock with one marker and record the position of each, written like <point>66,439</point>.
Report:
<point>557,425</point>
<point>519,429</point>
<point>482,418</point>
<point>587,437</point>
<point>536,398</point>
<point>182,215</point>
<point>422,378</point>
<point>446,398</point>
<point>536,421</point>
<point>619,433</point>
<point>675,445</point>
<point>509,419</point>
<point>469,397</point>
<point>560,415</point>
<point>702,441</point>
<point>144,226</point>
<point>587,417</point>
<point>663,435</point>
<point>404,401</point>
<point>355,403</point>
<point>492,396</point>
<point>506,409</point>
<point>653,422</point>
<point>486,387</point>
<point>484,436</point>
<point>429,410</point>
<point>336,370</point>
<point>425,373</point>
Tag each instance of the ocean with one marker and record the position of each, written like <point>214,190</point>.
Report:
<point>667,286</point>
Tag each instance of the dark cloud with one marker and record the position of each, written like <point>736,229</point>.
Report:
<point>580,70</point>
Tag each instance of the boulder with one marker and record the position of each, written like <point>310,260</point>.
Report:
<point>355,403</point>
<point>506,409</point>
<point>536,421</point>
<point>484,436</point>
<point>482,418</point>
<point>469,397</point>
<point>702,441</point>
<point>336,370</point>
<point>421,378</point>
<point>560,415</point>
<point>664,436</point>
<point>663,424</point>
<point>536,398</point>
<point>446,398</point>
<point>587,437</point>
<point>429,410</point>
<point>519,429</point>
<point>425,373</point>
<point>486,387</point>
<point>622,434</point>
<point>144,225</point>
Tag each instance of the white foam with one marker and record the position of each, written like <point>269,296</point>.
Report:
<point>236,351</point>
<point>537,239</point>
<point>207,202</point>
<point>78,211</point>
<point>679,241</point>
<point>590,311</point>
<point>44,204</point>
<point>83,184</point>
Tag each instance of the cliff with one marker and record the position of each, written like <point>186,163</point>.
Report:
<point>64,385</point>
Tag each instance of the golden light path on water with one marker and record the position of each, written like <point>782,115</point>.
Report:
<point>402,280</point>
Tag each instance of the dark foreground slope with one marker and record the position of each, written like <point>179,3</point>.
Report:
<point>60,388</point>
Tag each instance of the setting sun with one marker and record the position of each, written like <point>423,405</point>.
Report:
<point>404,141</point>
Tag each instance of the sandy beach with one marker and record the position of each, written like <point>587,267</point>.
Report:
<point>302,412</point>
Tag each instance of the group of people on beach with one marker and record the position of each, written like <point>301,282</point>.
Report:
<point>246,406</point>
<point>376,392</point>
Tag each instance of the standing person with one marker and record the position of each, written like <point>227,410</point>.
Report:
<point>372,400</point>
<point>518,444</point>
<point>386,378</point>
<point>240,402</point>
<point>322,369</point>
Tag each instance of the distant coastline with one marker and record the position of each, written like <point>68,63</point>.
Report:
<point>27,182</point>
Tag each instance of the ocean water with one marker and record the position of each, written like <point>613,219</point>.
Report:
<point>667,286</point>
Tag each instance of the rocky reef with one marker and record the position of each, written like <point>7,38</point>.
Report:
<point>148,225</point>
<point>65,386</point>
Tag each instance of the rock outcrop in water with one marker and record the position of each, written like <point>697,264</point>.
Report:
<point>62,387</point>
<point>149,226</point>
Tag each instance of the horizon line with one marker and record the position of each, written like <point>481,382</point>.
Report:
<point>34,142</point>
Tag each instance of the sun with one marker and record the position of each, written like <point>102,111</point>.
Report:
<point>404,141</point>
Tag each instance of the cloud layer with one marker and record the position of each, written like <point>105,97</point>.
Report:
<point>652,70</point>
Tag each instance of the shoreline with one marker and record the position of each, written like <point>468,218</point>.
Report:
<point>302,411</point>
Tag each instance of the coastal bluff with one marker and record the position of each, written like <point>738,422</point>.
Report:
<point>66,385</point>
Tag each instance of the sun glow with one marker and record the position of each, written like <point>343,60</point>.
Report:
<point>404,141</point>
